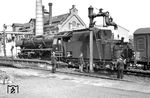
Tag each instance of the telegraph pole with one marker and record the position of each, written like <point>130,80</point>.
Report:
<point>4,39</point>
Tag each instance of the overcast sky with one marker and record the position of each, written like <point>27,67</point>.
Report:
<point>130,14</point>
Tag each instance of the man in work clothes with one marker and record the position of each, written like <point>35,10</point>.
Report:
<point>12,48</point>
<point>120,68</point>
<point>81,62</point>
<point>53,61</point>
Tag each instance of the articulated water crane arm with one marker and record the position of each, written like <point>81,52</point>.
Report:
<point>108,19</point>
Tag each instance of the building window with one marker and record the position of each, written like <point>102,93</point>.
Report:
<point>73,24</point>
<point>140,44</point>
<point>70,25</point>
<point>32,24</point>
<point>78,25</point>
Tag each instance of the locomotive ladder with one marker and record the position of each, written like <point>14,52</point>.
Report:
<point>98,45</point>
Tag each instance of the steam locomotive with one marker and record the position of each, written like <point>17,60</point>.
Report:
<point>69,45</point>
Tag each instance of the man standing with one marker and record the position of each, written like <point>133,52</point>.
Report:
<point>120,68</point>
<point>53,62</point>
<point>12,48</point>
<point>81,62</point>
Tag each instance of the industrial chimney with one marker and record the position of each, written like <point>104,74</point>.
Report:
<point>50,13</point>
<point>39,18</point>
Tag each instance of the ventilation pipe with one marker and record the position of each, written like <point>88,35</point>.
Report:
<point>50,13</point>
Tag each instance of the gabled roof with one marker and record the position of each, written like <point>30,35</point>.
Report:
<point>17,25</point>
<point>32,19</point>
<point>142,31</point>
<point>27,25</point>
<point>21,25</point>
<point>56,19</point>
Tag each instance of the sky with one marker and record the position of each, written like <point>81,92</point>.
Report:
<point>130,14</point>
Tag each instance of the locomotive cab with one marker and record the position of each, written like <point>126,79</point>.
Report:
<point>57,46</point>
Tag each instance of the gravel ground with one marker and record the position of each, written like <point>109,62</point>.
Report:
<point>41,84</point>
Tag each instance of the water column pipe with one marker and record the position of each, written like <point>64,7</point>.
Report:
<point>90,10</point>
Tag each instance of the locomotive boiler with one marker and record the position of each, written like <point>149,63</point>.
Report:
<point>36,47</point>
<point>36,42</point>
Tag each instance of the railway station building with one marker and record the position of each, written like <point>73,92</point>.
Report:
<point>52,25</point>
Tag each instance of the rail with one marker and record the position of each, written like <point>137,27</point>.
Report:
<point>46,65</point>
<point>27,63</point>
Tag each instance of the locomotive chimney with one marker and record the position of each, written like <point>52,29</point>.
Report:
<point>50,13</point>
<point>39,18</point>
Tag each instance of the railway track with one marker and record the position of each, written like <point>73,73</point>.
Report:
<point>26,63</point>
<point>46,65</point>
